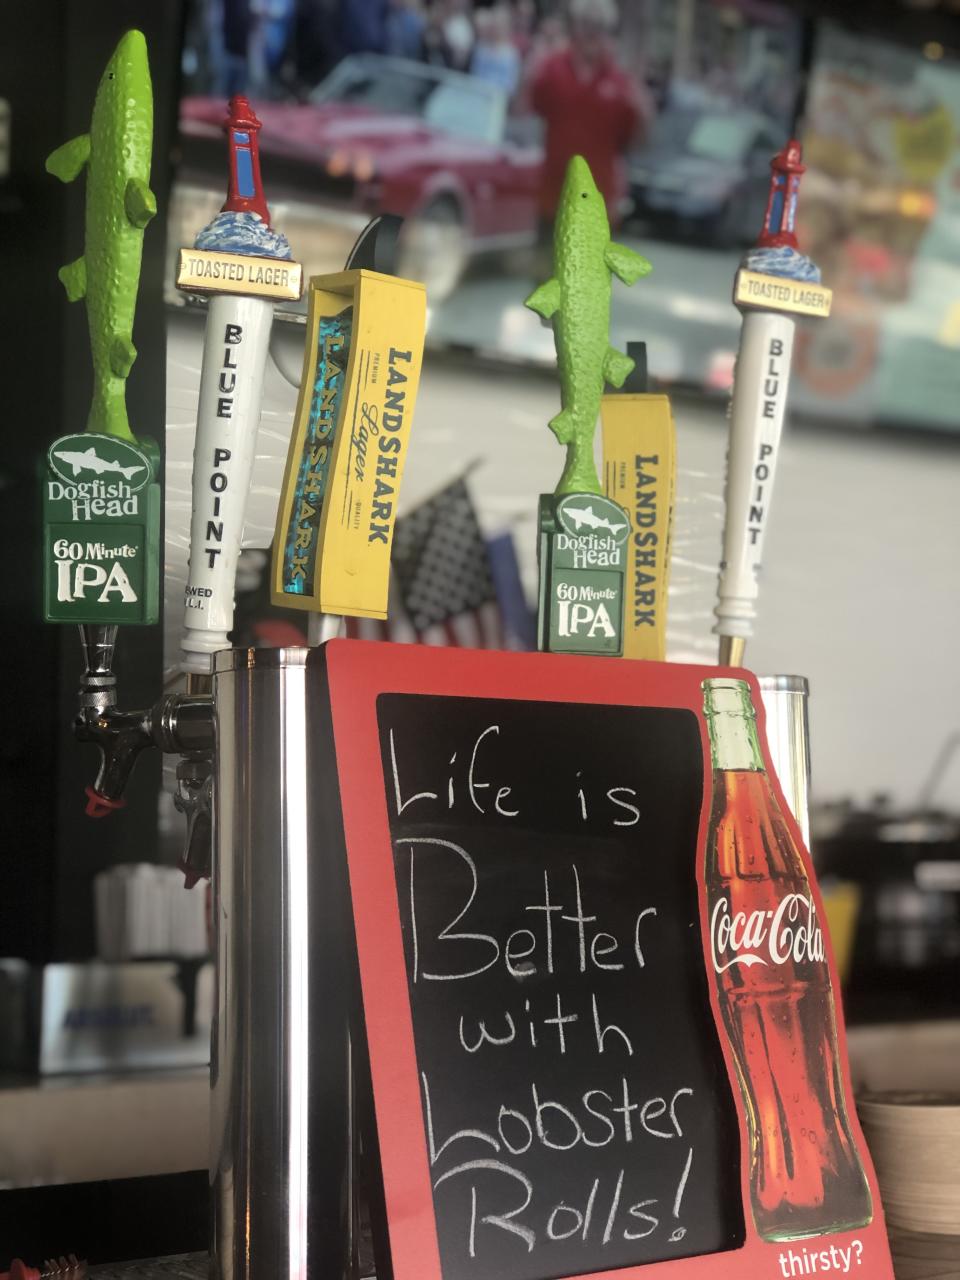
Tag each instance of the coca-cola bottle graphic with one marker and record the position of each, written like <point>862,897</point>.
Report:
<point>774,992</point>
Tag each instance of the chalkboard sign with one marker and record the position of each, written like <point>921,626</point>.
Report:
<point>575,1100</point>
<point>554,1095</point>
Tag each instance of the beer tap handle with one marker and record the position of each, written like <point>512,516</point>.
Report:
<point>235,347</point>
<point>774,284</point>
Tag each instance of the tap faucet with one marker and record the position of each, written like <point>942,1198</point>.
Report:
<point>194,799</point>
<point>175,723</point>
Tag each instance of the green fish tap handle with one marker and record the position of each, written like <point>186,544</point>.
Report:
<point>101,489</point>
<point>101,492</point>
<point>119,204</point>
<point>576,299</point>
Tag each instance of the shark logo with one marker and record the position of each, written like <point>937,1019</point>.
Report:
<point>80,458</point>
<point>580,513</point>
<point>584,516</point>
<point>90,460</point>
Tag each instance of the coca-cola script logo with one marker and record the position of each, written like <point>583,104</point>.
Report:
<point>761,937</point>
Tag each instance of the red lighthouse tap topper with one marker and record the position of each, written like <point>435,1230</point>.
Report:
<point>786,168</point>
<point>245,191</point>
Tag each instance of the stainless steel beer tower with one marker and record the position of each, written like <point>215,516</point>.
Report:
<point>788,737</point>
<point>281,1148</point>
<point>282,1118</point>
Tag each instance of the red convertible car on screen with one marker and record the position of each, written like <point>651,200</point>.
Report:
<point>389,135</point>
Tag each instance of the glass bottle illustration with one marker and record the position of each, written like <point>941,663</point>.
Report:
<point>775,993</point>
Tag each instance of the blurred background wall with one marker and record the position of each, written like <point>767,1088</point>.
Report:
<point>450,114</point>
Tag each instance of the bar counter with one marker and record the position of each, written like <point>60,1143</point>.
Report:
<point>915,1257</point>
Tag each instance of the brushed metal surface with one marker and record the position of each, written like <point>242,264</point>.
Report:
<point>788,737</point>
<point>279,1071</point>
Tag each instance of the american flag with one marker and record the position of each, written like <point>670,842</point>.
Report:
<point>442,590</point>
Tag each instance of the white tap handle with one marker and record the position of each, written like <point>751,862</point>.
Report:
<point>760,388</point>
<point>235,348</point>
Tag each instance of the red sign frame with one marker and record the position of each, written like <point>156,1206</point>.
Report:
<point>358,672</point>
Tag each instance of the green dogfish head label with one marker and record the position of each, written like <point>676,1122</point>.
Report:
<point>583,548</point>
<point>101,531</point>
<point>92,464</point>
<point>583,514</point>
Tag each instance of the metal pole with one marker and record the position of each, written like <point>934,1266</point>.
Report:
<point>280,1112</point>
<point>788,737</point>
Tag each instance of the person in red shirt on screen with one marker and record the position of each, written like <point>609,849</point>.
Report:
<point>591,106</point>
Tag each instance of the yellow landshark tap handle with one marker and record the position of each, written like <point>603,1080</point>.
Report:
<point>639,473</point>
